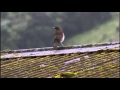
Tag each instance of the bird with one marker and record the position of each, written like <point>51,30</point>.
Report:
<point>59,36</point>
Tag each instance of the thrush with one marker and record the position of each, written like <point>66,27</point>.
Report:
<point>59,37</point>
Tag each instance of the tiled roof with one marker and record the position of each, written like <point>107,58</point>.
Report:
<point>86,61</point>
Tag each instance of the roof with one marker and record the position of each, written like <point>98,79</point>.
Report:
<point>86,61</point>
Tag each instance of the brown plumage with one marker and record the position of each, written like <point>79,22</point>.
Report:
<point>59,37</point>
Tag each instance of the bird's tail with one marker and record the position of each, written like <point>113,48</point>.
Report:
<point>55,45</point>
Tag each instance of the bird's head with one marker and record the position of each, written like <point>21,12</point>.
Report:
<point>57,28</point>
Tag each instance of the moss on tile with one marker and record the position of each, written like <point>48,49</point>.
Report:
<point>91,65</point>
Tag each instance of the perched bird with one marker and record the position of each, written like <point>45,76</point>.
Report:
<point>59,37</point>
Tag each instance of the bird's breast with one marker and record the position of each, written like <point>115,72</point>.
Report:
<point>63,37</point>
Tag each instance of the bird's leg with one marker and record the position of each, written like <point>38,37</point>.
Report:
<point>62,44</point>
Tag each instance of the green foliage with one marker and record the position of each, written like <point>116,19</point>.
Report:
<point>100,34</point>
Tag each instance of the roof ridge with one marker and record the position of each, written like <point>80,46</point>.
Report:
<point>62,51</point>
<point>59,48</point>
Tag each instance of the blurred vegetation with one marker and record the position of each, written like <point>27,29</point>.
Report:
<point>22,30</point>
<point>107,32</point>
